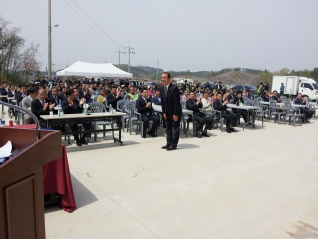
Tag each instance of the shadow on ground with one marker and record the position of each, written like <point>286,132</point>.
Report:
<point>304,231</point>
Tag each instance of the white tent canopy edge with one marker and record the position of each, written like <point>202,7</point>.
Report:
<point>85,69</point>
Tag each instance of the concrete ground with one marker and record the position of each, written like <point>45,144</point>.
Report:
<point>258,183</point>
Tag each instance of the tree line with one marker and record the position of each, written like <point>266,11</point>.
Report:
<point>16,59</point>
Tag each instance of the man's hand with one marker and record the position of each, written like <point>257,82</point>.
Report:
<point>200,99</point>
<point>51,106</point>
<point>164,116</point>
<point>175,118</point>
<point>118,93</point>
<point>225,102</point>
<point>148,105</point>
<point>45,106</point>
<point>82,101</point>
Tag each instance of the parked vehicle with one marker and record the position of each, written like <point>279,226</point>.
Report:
<point>205,84</point>
<point>151,84</point>
<point>296,84</point>
<point>252,88</point>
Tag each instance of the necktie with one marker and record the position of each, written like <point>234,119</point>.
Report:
<point>56,100</point>
<point>166,90</point>
<point>43,103</point>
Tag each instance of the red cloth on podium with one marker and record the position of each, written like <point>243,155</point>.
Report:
<point>57,178</point>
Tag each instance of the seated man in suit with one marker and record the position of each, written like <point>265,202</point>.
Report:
<point>41,106</point>
<point>26,103</point>
<point>240,101</point>
<point>144,107</point>
<point>22,93</point>
<point>72,106</point>
<point>157,101</point>
<point>307,113</point>
<point>201,118</point>
<point>55,97</point>
<point>113,97</point>
<point>230,118</point>
<point>230,95</point>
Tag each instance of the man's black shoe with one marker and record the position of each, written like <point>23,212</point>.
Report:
<point>78,143</point>
<point>164,126</point>
<point>152,134</point>
<point>205,134</point>
<point>233,130</point>
<point>199,134</point>
<point>171,148</point>
<point>166,146</point>
<point>307,121</point>
<point>144,136</point>
<point>228,131</point>
<point>83,141</point>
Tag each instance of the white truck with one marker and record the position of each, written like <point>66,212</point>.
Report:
<point>296,84</point>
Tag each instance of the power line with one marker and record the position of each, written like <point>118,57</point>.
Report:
<point>129,52</point>
<point>89,18</point>
<point>88,24</point>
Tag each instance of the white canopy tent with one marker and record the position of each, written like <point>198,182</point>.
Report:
<point>85,69</point>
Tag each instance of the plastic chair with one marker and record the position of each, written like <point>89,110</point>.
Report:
<point>291,113</point>
<point>218,117</point>
<point>248,102</point>
<point>273,110</point>
<point>121,108</point>
<point>141,124</point>
<point>186,119</point>
<point>97,107</point>
<point>130,107</point>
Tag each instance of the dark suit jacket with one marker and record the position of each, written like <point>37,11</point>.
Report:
<point>299,102</point>
<point>19,97</point>
<point>217,105</point>
<point>69,109</point>
<point>230,97</point>
<point>141,106</point>
<point>3,91</point>
<point>170,103</point>
<point>112,100</point>
<point>236,100</point>
<point>11,93</point>
<point>52,99</point>
<point>192,105</point>
<point>156,100</point>
<point>37,109</point>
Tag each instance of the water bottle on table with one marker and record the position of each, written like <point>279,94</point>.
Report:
<point>3,120</point>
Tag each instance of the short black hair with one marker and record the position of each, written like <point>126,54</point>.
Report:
<point>69,92</point>
<point>167,73</point>
<point>32,90</point>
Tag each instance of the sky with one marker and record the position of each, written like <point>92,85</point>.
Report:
<point>201,35</point>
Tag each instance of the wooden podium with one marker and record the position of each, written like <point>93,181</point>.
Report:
<point>21,183</point>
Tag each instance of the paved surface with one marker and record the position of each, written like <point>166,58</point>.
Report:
<point>258,183</point>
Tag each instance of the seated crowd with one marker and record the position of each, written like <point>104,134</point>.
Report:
<point>44,96</point>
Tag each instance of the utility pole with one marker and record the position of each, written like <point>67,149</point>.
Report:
<point>157,71</point>
<point>49,41</point>
<point>129,52</point>
<point>120,52</point>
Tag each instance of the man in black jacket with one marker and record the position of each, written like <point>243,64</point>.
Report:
<point>41,106</point>
<point>307,113</point>
<point>20,95</point>
<point>201,118</point>
<point>172,111</point>
<point>72,106</point>
<point>230,118</point>
<point>144,107</point>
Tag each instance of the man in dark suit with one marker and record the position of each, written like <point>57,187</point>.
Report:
<point>55,97</point>
<point>157,101</point>
<point>144,107</point>
<point>172,111</point>
<point>230,118</point>
<point>113,97</point>
<point>307,113</point>
<point>41,106</point>
<point>230,96</point>
<point>201,118</point>
<point>72,106</point>
<point>20,95</point>
<point>3,91</point>
<point>219,86</point>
